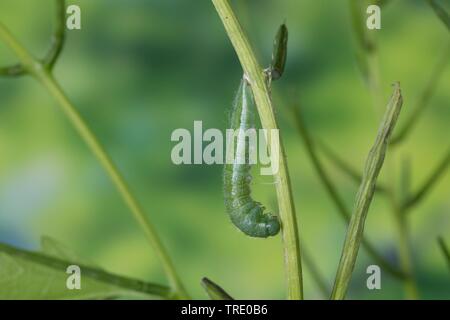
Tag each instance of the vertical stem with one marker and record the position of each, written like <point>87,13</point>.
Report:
<point>334,195</point>
<point>404,249</point>
<point>364,197</point>
<point>370,52</point>
<point>316,275</point>
<point>263,101</point>
<point>401,224</point>
<point>97,149</point>
<point>374,80</point>
<point>367,53</point>
<point>37,69</point>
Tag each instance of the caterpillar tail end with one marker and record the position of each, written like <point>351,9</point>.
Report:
<point>267,226</point>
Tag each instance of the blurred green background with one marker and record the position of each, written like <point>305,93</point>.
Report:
<point>140,69</point>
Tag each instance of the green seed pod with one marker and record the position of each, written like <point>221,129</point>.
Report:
<point>214,291</point>
<point>279,53</point>
<point>245,213</point>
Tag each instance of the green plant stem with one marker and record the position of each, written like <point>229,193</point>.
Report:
<point>401,224</point>
<point>436,174</point>
<point>405,257</point>
<point>424,98</point>
<point>440,12</point>
<point>17,69</point>
<point>43,75</point>
<point>255,74</point>
<point>334,194</point>
<point>347,168</point>
<point>364,197</point>
<point>367,54</point>
<point>404,249</point>
<point>83,130</point>
<point>58,36</point>
<point>374,80</point>
<point>316,275</point>
<point>445,250</point>
<point>410,200</point>
<point>12,71</point>
<point>90,272</point>
<point>56,46</point>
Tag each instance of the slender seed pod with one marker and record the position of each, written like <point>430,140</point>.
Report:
<point>214,291</point>
<point>279,53</point>
<point>245,213</point>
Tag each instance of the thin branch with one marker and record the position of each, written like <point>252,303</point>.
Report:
<point>334,194</point>
<point>346,168</point>
<point>444,249</point>
<point>90,272</point>
<point>434,177</point>
<point>366,53</point>
<point>256,76</point>
<point>405,179</point>
<point>424,99</point>
<point>12,71</point>
<point>401,223</point>
<point>316,275</point>
<point>58,36</point>
<point>440,12</point>
<point>44,76</point>
<point>383,3</point>
<point>57,43</point>
<point>364,197</point>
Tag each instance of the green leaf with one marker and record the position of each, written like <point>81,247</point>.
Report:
<point>214,291</point>
<point>30,275</point>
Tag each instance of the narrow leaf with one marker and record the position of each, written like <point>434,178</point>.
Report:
<point>13,71</point>
<point>58,36</point>
<point>279,53</point>
<point>444,249</point>
<point>214,291</point>
<point>316,275</point>
<point>405,179</point>
<point>346,168</point>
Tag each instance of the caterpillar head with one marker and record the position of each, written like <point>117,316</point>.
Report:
<point>272,225</point>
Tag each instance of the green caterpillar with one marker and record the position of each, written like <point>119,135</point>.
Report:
<point>245,213</point>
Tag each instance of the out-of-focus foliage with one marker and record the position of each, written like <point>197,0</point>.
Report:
<point>140,69</point>
<point>22,278</point>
